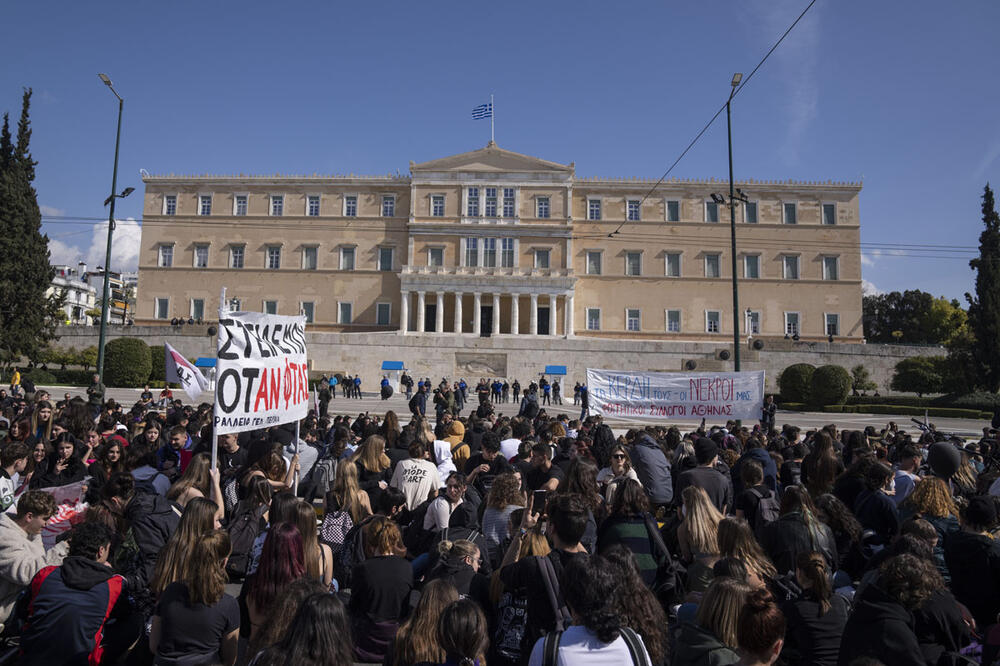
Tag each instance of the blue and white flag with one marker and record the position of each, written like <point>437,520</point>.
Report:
<point>483,111</point>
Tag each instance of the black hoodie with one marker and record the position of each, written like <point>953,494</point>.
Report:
<point>882,629</point>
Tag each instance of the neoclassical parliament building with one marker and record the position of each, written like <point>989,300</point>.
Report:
<point>497,243</point>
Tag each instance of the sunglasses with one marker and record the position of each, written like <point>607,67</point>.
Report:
<point>619,456</point>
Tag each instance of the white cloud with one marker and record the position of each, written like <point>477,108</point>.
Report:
<point>867,260</point>
<point>989,157</point>
<point>124,245</point>
<point>51,211</point>
<point>869,289</point>
<point>61,253</point>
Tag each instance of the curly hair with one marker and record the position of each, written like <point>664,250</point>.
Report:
<point>637,605</point>
<point>931,497</point>
<point>909,580</point>
<point>590,592</point>
<point>505,491</point>
<point>838,517</point>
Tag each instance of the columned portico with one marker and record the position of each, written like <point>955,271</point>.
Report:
<point>496,313</point>
<point>552,314</point>
<point>515,322</point>
<point>533,315</point>
<point>458,312</point>
<point>477,313</point>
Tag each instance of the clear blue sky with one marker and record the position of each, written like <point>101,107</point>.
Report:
<point>903,95</point>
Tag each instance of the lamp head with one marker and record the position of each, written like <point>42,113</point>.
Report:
<point>107,81</point>
<point>737,77</point>
<point>127,191</point>
<point>717,198</point>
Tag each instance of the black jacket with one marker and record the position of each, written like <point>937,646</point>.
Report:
<point>974,564</point>
<point>152,519</point>
<point>940,628</point>
<point>881,629</point>
<point>786,537</point>
<point>651,466</point>
<point>812,638</point>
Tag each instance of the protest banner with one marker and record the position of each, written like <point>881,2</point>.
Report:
<point>670,395</point>
<point>180,371</point>
<point>70,510</point>
<point>262,377</point>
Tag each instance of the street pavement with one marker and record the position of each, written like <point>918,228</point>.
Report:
<point>372,402</point>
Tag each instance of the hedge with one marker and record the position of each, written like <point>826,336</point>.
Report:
<point>829,384</point>
<point>904,400</point>
<point>794,381</point>
<point>38,376</point>
<point>158,363</point>
<point>903,410</point>
<point>793,406</point>
<point>126,363</point>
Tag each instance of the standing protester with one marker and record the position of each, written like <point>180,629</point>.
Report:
<point>95,396</point>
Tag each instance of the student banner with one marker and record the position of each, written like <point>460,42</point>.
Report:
<point>262,375</point>
<point>669,395</point>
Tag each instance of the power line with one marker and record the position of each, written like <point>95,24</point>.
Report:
<point>719,112</point>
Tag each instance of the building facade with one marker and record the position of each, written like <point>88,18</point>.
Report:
<point>79,296</point>
<point>496,243</point>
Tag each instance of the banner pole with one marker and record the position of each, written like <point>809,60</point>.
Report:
<point>215,392</point>
<point>295,487</point>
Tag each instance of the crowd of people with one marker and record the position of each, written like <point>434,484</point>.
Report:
<point>468,538</point>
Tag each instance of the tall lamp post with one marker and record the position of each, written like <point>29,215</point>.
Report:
<point>732,226</point>
<point>111,227</point>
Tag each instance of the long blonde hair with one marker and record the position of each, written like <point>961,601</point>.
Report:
<point>47,436</point>
<point>305,520</point>
<point>701,521</point>
<point>719,610</point>
<point>195,476</point>
<point>344,494</point>
<point>736,540</point>
<point>206,579</point>
<point>416,640</point>
<point>175,560</point>
<point>371,454</point>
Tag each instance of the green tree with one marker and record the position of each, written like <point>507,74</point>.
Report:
<point>829,385</point>
<point>912,317</point>
<point>87,357</point>
<point>984,308</point>
<point>794,382</point>
<point>126,363</point>
<point>861,380</point>
<point>918,374</point>
<point>28,318</point>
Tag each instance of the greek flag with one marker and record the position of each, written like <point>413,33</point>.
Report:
<point>483,111</point>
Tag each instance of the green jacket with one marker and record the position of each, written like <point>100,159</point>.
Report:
<point>699,647</point>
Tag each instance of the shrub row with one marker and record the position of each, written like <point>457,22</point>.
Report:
<point>903,410</point>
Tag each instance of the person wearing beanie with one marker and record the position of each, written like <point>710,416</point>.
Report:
<point>973,559</point>
<point>707,477</point>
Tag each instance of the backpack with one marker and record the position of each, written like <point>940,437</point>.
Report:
<point>531,409</point>
<point>550,648</point>
<point>244,529</point>
<point>321,476</point>
<point>414,403</point>
<point>351,554</point>
<point>768,509</point>
<point>146,486</point>
<point>336,526</point>
<point>668,585</point>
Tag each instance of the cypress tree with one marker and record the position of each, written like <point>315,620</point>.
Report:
<point>28,317</point>
<point>984,309</point>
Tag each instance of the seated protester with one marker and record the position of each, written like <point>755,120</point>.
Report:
<point>440,510</point>
<point>462,633</point>
<point>13,462</point>
<point>651,466</point>
<point>790,473</point>
<point>318,634</point>
<point>906,472</point>
<point>757,503</point>
<point>195,620</point>
<point>543,475</point>
<point>816,620</point>
<point>416,477</point>
<point>483,467</point>
<point>760,630</point>
<point>711,638</point>
<point>417,640</point>
<point>140,458</point>
<point>380,590</point>
<point>973,558</point>
<point>198,480</point>
<point>597,634</point>
<point>874,506</point>
<point>698,537</point>
<point>459,440</point>
<point>150,520</point>
<point>619,468</point>
<point>931,500</point>
<point>168,456</point>
<point>707,477</point>
<point>736,540</point>
<point>285,610</point>
<point>755,451</point>
<point>567,522</point>
<point>459,563</point>
<point>847,534</point>
<point>22,554</point>
<point>110,459</point>
<point>78,611</point>
<point>797,530</point>
<point>64,467</point>
<point>881,626</point>
<point>851,483</point>
<point>504,499</point>
<point>629,525</point>
<point>638,606</point>
<point>150,436</point>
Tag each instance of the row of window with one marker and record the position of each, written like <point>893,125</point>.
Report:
<point>713,265</point>
<point>345,310</point>
<point>713,320</point>
<point>711,211</point>
<point>276,205</point>
<point>489,201</point>
<point>273,257</point>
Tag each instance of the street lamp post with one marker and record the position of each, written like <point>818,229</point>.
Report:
<point>732,226</point>
<point>111,227</point>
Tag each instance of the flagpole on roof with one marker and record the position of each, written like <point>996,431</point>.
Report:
<point>493,114</point>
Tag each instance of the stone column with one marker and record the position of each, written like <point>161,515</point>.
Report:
<point>458,313</point>
<point>477,313</point>
<point>496,313</point>
<point>533,315</point>
<point>421,310</point>
<point>439,313</point>
<point>568,328</point>
<point>552,315</point>
<point>515,314</point>
<point>404,313</point>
